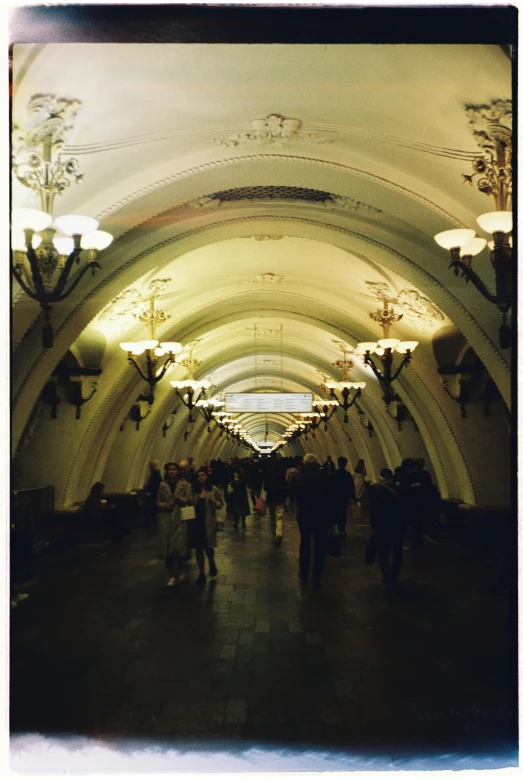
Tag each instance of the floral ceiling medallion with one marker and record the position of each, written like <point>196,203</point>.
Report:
<point>274,129</point>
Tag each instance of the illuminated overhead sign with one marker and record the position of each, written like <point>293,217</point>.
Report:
<point>268,402</point>
<point>265,443</point>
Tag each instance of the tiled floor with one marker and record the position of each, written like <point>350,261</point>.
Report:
<point>102,648</point>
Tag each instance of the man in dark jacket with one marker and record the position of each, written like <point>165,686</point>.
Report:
<point>276,489</point>
<point>311,490</point>
<point>387,522</point>
<point>342,493</point>
<point>329,466</point>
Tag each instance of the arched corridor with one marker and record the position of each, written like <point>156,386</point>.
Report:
<point>266,197</point>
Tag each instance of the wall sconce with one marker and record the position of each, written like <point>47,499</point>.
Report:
<point>397,410</point>
<point>77,397</point>
<point>345,385</point>
<point>153,350</point>
<point>494,169</point>
<point>190,387</point>
<point>42,264</point>
<point>385,348</point>
<point>364,420</point>
<point>136,414</point>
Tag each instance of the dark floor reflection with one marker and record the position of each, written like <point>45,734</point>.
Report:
<point>102,649</point>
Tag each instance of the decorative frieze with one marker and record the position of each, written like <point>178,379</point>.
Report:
<point>490,122</point>
<point>274,129</point>
<point>413,305</point>
<point>134,303</point>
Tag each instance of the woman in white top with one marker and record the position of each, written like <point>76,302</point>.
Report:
<point>358,476</point>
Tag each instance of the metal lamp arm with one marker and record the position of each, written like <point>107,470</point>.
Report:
<point>346,406</point>
<point>62,279</point>
<point>404,362</point>
<point>471,276</point>
<point>77,278</point>
<point>133,362</point>
<point>369,362</point>
<point>37,276</point>
<point>24,286</point>
<point>164,369</point>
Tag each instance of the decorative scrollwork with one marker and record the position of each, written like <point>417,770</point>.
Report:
<point>274,129</point>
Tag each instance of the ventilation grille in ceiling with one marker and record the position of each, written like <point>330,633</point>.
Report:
<point>273,193</point>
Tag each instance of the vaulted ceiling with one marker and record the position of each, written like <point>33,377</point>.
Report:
<point>270,194</point>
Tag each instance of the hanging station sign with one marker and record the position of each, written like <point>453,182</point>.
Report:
<point>268,402</point>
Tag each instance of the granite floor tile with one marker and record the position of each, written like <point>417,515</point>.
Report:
<point>256,655</point>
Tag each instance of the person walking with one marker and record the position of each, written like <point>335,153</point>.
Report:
<point>310,490</point>
<point>173,493</point>
<point>329,466</point>
<point>276,496</point>
<point>388,524</point>
<point>358,475</point>
<point>202,530</point>
<point>342,494</point>
<point>238,499</point>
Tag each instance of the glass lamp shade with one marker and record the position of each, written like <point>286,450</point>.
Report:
<point>347,385</point>
<point>128,346</point>
<point>473,247</point>
<point>403,346</point>
<point>98,239</point>
<point>359,385</point>
<point>148,344</point>
<point>454,238</point>
<point>64,245</point>
<point>76,224</point>
<point>30,219</point>
<point>496,222</point>
<point>171,346</point>
<point>331,384</point>
<point>159,352</point>
<point>18,241</point>
<point>367,346</point>
<point>379,351</point>
<point>388,343</point>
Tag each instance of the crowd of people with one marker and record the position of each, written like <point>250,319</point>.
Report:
<point>185,501</point>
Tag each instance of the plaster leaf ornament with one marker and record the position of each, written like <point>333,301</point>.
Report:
<point>121,306</point>
<point>267,238</point>
<point>380,290</point>
<point>489,120</point>
<point>269,333</point>
<point>48,124</point>
<point>274,129</point>
<point>492,130</point>
<point>417,306</point>
<point>349,204</point>
<point>155,287</point>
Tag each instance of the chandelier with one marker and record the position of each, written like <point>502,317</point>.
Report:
<point>493,170</point>
<point>189,387</point>
<point>345,385</point>
<point>42,261</point>
<point>385,348</point>
<point>152,349</point>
